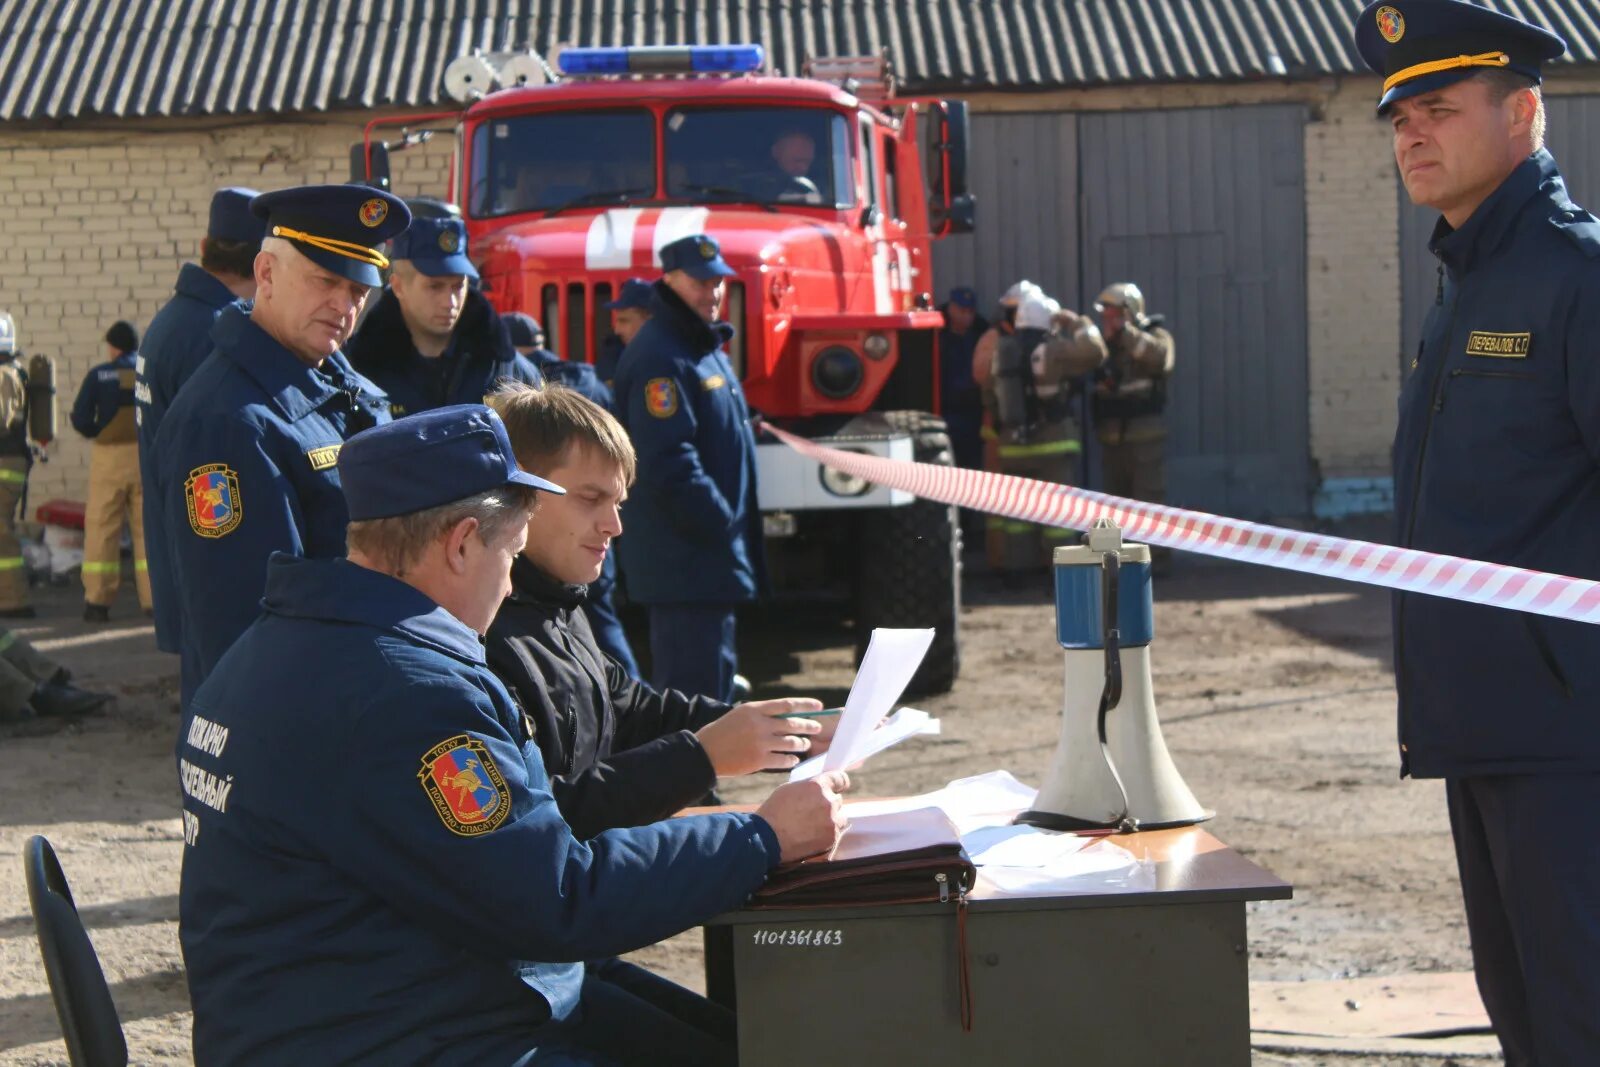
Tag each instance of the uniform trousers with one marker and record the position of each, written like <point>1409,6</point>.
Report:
<point>627,1016</point>
<point>22,669</point>
<point>115,495</point>
<point>1530,877</point>
<point>13,577</point>
<point>692,649</point>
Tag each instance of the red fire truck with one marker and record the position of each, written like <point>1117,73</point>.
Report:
<point>824,192</point>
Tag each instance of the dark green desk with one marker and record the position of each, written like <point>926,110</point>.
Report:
<point>1125,978</point>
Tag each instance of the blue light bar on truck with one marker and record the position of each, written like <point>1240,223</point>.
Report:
<point>663,59</point>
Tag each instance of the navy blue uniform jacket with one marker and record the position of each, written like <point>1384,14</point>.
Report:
<point>692,525</point>
<point>177,341</point>
<point>1497,458</point>
<point>376,872</point>
<point>619,753</point>
<point>246,468</point>
<point>479,357</point>
<point>103,395</point>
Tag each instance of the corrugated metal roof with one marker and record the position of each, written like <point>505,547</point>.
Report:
<point>77,58</point>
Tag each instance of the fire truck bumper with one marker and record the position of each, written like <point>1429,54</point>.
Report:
<point>787,481</point>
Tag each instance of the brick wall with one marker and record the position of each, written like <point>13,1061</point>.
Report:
<point>94,225</point>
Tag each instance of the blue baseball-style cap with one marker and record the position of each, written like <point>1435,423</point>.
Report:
<point>337,227</point>
<point>426,460</point>
<point>231,218</point>
<point>635,293</point>
<point>963,296</point>
<point>1423,45</point>
<point>698,256</point>
<point>436,247</point>
<point>524,329</point>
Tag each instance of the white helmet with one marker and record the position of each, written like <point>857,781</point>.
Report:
<point>1017,293</point>
<point>8,334</point>
<point>1124,295</point>
<point>1037,312</point>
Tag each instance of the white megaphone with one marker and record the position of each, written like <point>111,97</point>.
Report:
<point>1111,767</point>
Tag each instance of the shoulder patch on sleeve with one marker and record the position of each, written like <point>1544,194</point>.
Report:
<point>468,791</point>
<point>661,397</point>
<point>212,493</point>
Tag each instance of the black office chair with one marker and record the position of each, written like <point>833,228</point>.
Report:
<point>77,984</point>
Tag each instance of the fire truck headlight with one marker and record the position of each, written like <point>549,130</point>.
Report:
<point>839,483</point>
<point>837,372</point>
<point>876,346</point>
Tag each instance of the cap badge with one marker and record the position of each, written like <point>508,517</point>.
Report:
<point>708,250</point>
<point>1391,24</point>
<point>449,242</point>
<point>373,212</point>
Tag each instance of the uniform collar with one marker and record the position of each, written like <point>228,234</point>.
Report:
<point>200,284</point>
<point>126,361</point>
<point>336,590</point>
<point>1460,249</point>
<point>530,583</point>
<point>293,388</point>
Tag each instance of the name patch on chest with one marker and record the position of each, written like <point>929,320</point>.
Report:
<point>716,381</point>
<point>324,457</point>
<point>1499,345</point>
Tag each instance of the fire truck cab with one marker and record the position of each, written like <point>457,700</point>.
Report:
<point>824,193</point>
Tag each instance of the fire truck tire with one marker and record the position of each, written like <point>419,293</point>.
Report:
<point>911,566</point>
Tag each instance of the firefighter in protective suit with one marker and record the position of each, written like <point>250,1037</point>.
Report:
<point>15,458</point>
<point>1032,393</point>
<point>104,413</point>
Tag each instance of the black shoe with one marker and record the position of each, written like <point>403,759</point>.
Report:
<point>96,613</point>
<point>27,611</point>
<point>53,698</point>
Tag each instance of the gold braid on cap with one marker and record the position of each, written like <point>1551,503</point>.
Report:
<point>1434,66</point>
<point>348,249</point>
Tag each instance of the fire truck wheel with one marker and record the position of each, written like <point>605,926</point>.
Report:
<point>911,566</point>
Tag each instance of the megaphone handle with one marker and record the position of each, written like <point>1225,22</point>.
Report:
<point>1111,691</point>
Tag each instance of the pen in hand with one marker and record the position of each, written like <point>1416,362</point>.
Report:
<point>812,714</point>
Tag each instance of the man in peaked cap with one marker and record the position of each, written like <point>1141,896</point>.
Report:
<point>693,551</point>
<point>432,339</point>
<point>629,312</point>
<point>375,869</point>
<point>246,457</point>
<point>176,343</point>
<point>1497,458</point>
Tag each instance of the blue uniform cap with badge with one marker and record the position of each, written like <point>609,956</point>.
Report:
<point>964,297</point>
<point>231,218</point>
<point>698,256</point>
<point>1420,46</point>
<point>426,460</point>
<point>435,247</point>
<point>524,329</point>
<point>635,293</point>
<point>338,227</point>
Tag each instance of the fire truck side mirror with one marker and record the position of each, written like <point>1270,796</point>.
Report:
<point>369,164</point>
<point>952,207</point>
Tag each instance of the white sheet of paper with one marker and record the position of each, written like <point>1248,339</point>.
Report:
<point>1101,867</point>
<point>1021,846</point>
<point>893,656</point>
<point>979,800</point>
<point>907,722</point>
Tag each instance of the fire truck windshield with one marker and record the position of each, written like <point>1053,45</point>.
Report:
<point>767,155</point>
<point>555,159</point>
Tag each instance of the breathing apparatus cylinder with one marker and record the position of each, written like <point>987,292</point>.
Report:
<point>41,399</point>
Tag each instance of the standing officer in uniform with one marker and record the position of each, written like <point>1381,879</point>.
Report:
<point>16,456</point>
<point>432,339</point>
<point>247,453</point>
<point>177,341</point>
<point>1130,399</point>
<point>629,312</point>
<point>693,550</point>
<point>1497,458</point>
<point>104,414</point>
<point>1032,396</point>
<point>374,870</point>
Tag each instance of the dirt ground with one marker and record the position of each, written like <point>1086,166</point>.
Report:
<point>1275,693</point>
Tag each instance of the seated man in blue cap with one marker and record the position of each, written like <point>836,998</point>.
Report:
<point>1497,458</point>
<point>629,312</point>
<point>432,339</point>
<point>176,343</point>
<point>375,871</point>
<point>693,551</point>
<point>245,459</point>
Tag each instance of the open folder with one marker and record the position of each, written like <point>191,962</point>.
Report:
<point>905,857</point>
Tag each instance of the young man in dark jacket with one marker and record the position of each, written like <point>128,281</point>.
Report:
<point>433,339</point>
<point>619,753</point>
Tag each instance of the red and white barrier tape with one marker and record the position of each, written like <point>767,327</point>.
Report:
<point>1048,504</point>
